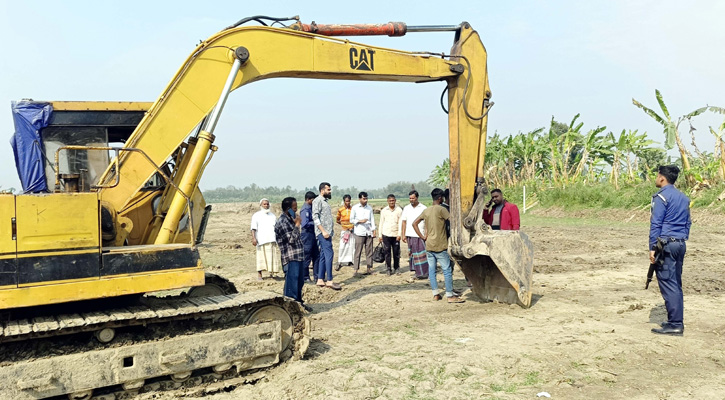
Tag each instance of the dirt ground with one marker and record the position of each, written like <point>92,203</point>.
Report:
<point>586,336</point>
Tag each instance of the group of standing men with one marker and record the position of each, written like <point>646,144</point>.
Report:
<point>298,240</point>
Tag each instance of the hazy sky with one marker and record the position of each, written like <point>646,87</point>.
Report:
<point>545,58</point>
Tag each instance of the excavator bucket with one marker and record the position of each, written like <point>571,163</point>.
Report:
<point>499,265</point>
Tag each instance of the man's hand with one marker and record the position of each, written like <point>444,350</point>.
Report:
<point>488,205</point>
<point>254,241</point>
<point>425,239</point>
<point>405,239</point>
<point>652,257</point>
<point>298,220</point>
<point>374,234</point>
<point>362,221</point>
<point>397,238</point>
<point>325,235</point>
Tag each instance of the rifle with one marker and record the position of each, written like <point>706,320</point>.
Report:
<point>659,260</point>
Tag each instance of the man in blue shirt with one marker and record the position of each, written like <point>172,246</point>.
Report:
<point>312,252</point>
<point>671,222</point>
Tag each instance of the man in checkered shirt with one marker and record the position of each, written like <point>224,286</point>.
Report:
<point>287,233</point>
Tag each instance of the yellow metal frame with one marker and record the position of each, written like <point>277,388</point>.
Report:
<point>108,286</point>
<point>57,221</point>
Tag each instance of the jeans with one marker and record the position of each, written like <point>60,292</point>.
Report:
<point>363,242</point>
<point>312,255</point>
<point>326,254</point>
<point>293,281</point>
<point>435,257</point>
<point>669,278</point>
<point>391,243</point>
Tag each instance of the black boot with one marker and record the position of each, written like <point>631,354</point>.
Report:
<point>668,329</point>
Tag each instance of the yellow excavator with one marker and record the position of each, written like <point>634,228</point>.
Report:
<point>111,210</point>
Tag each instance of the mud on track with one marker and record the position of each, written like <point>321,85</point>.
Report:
<point>586,336</point>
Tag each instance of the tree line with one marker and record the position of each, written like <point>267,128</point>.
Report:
<point>254,192</point>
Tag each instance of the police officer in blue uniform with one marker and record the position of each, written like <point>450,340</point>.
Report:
<point>671,222</point>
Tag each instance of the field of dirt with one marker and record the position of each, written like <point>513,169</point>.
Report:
<point>586,337</point>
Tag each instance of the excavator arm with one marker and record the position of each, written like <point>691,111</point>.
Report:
<point>193,101</point>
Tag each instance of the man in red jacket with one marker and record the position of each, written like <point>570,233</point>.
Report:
<point>504,215</point>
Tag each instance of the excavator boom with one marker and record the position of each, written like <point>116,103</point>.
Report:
<point>237,56</point>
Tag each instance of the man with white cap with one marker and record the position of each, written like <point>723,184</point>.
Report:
<point>263,237</point>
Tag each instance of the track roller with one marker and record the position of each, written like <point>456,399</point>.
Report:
<point>105,335</point>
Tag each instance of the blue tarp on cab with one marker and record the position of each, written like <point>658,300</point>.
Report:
<point>29,118</point>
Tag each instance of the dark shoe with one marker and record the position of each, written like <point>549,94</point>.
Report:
<point>370,271</point>
<point>338,267</point>
<point>669,330</point>
<point>307,308</point>
<point>437,297</point>
<point>455,299</point>
<point>422,277</point>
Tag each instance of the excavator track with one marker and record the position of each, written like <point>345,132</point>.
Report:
<point>174,337</point>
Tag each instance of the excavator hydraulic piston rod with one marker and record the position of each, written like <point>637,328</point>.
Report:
<point>206,138</point>
<point>433,28</point>
<point>390,29</point>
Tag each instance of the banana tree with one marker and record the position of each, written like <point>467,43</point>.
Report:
<point>671,128</point>
<point>494,157</point>
<point>634,144</point>
<point>591,142</point>
<point>530,152</point>
<point>571,143</point>
<point>619,147</point>
<point>441,174</point>
<point>720,148</point>
<point>563,145</point>
<point>719,142</point>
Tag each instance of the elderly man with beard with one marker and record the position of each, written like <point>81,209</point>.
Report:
<point>263,238</point>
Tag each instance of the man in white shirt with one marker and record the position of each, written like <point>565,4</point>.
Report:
<point>418,258</point>
<point>389,234</point>
<point>363,221</point>
<point>263,237</point>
